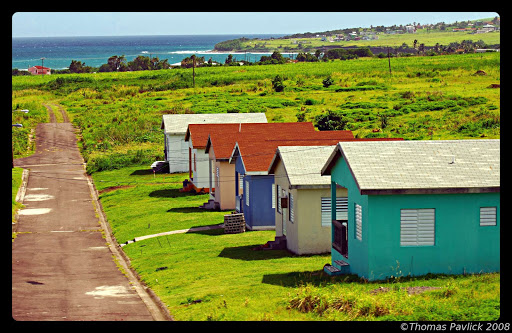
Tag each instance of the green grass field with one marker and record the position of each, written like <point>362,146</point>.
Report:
<point>210,275</point>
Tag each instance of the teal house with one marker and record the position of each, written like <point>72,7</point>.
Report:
<point>416,207</point>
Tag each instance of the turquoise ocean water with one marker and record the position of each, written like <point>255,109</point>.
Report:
<point>95,51</point>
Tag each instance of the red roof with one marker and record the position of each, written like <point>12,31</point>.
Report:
<point>223,139</point>
<point>40,67</point>
<point>257,155</point>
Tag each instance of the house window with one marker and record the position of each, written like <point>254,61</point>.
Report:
<point>290,208</point>
<point>246,193</point>
<point>341,210</point>
<point>279,209</point>
<point>417,227</point>
<point>358,213</point>
<point>273,196</point>
<point>241,182</point>
<point>487,216</point>
<point>218,178</point>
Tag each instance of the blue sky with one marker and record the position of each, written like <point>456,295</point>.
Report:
<point>52,24</point>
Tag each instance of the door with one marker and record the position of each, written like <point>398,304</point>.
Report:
<point>340,243</point>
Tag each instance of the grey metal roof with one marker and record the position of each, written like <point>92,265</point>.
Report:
<point>438,164</point>
<point>177,123</point>
<point>303,164</point>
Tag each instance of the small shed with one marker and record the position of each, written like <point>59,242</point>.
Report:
<point>177,152</point>
<point>416,207</point>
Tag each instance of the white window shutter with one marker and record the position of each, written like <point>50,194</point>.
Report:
<point>273,196</point>
<point>246,193</point>
<point>487,216</point>
<point>359,222</point>
<point>417,227</point>
<point>341,210</point>
<point>290,207</point>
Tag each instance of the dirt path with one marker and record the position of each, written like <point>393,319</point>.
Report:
<point>64,260</point>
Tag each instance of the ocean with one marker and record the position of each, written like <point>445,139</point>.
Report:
<point>95,51</point>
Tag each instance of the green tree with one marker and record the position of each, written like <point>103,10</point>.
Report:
<point>78,67</point>
<point>330,121</point>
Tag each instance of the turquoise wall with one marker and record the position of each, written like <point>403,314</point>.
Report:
<point>461,244</point>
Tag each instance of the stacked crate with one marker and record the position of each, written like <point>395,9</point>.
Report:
<point>234,223</point>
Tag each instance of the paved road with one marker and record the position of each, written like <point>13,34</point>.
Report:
<point>63,267</point>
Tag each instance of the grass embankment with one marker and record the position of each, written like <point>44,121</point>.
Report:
<point>16,184</point>
<point>210,275</point>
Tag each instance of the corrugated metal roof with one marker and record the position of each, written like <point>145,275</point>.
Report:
<point>438,164</point>
<point>177,123</point>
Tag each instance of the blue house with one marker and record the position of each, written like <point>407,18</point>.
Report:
<point>416,207</point>
<point>252,155</point>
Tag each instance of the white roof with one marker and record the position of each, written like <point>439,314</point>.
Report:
<point>459,166</point>
<point>178,123</point>
<point>303,164</point>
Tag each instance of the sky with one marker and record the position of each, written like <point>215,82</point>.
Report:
<point>59,24</point>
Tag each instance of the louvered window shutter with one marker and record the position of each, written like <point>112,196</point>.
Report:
<point>487,216</point>
<point>417,227</point>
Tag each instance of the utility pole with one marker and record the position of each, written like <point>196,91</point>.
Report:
<point>42,65</point>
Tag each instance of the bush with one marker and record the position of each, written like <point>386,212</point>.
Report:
<point>277,83</point>
<point>328,81</point>
<point>330,121</point>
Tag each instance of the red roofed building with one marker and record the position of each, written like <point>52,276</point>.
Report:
<point>39,70</point>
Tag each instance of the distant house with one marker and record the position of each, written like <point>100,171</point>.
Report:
<point>416,207</point>
<point>219,148</point>
<point>252,156</point>
<point>40,70</point>
<point>177,152</point>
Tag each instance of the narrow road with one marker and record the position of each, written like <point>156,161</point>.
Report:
<point>64,265</point>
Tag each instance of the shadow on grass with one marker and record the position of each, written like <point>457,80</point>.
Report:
<point>171,193</point>
<point>247,253</point>
<point>315,278</point>
<point>142,172</point>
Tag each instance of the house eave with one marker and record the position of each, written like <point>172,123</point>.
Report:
<point>310,186</point>
<point>442,190</point>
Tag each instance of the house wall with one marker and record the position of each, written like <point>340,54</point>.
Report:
<point>461,244</point>
<point>259,215</point>
<point>305,235</point>
<point>200,177</point>
<point>177,153</point>
<point>281,179</point>
<point>225,193</point>
<point>310,237</point>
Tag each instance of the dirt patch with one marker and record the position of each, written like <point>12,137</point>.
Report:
<point>113,188</point>
<point>410,290</point>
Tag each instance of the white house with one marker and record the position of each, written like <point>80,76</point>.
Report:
<point>177,151</point>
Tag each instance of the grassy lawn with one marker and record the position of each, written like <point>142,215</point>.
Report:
<point>210,275</point>
<point>16,183</point>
